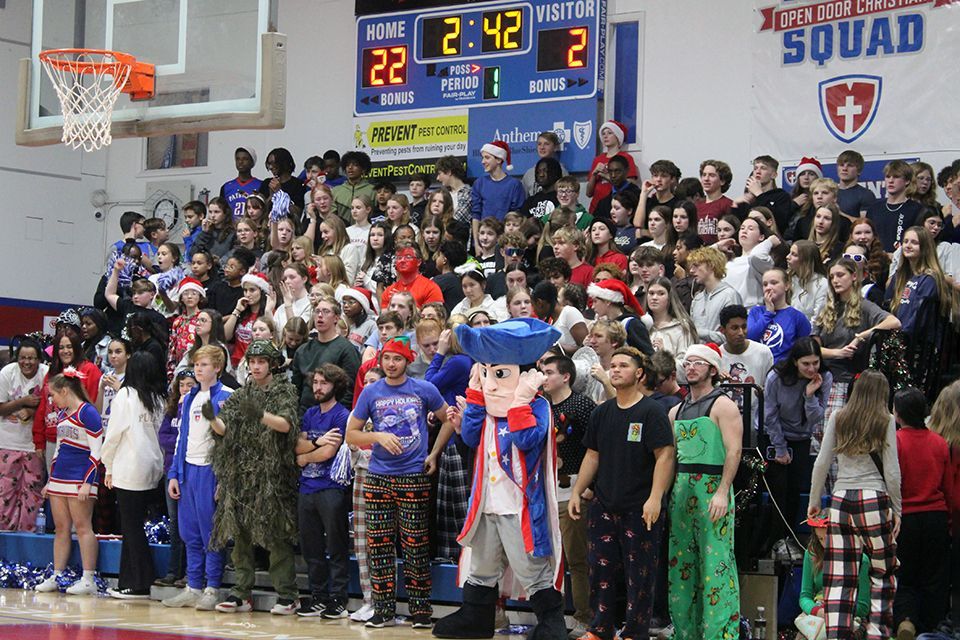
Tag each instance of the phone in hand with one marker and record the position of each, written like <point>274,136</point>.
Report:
<point>772,453</point>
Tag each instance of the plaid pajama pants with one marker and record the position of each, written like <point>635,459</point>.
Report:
<point>398,506</point>
<point>861,521</point>
<point>453,496</point>
<point>360,534</point>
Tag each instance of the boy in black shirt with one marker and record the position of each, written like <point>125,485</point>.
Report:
<point>571,413</point>
<point>630,453</point>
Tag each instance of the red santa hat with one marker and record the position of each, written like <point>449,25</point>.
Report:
<point>499,149</point>
<point>708,352</point>
<point>401,345</point>
<point>363,296</point>
<point>618,129</point>
<point>192,284</point>
<point>258,280</point>
<point>810,164</point>
<point>615,291</point>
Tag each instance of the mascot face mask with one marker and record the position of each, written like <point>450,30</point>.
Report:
<point>499,383</point>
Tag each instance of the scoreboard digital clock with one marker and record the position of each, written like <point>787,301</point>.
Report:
<point>479,55</point>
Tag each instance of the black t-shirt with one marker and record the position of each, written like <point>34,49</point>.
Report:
<point>892,220</point>
<point>571,417</point>
<point>294,188</point>
<point>449,284</point>
<point>223,297</point>
<point>626,440</point>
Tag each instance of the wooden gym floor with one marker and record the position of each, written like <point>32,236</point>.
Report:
<point>25,615</point>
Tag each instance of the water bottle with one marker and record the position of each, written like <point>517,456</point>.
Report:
<point>41,525</point>
<point>760,624</point>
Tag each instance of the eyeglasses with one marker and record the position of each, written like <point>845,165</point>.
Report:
<point>564,192</point>
<point>856,257</point>
<point>321,311</point>
<point>695,363</point>
<point>938,224</point>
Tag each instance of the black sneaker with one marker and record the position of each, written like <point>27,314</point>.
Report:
<point>421,621</point>
<point>379,621</point>
<point>311,608</point>
<point>335,610</point>
<point>129,594</point>
<point>166,581</point>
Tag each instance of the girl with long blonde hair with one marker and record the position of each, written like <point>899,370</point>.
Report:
<point>845,327</point>
<point>865,506</point>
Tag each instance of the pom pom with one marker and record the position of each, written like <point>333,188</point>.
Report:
<point>341,471</point>
<point>279,206</point>
<point>158,531</point>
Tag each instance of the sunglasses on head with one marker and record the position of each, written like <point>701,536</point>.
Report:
<point>856,257</point>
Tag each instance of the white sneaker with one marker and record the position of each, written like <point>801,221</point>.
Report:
<point>83,587</point>
<point>186,598</point>
<point>362,614</point>
<point>285,607</point>
<point>579,629</point>
<point>48,585</point>
<point>208,600</point>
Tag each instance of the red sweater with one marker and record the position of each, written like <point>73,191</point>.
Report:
<point>925,470</point>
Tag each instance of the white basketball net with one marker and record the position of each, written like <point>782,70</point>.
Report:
<point>88,85</point>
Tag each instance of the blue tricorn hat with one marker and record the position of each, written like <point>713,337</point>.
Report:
<point>516,341</point>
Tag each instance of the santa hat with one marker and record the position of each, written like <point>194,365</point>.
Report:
<point>191,284</point>
<point>401,345</point>
<point>810,164</point>
<point>618,129</point>
<point>363,296</point>
<point>249,149</point>
<point>615,291</point>
<point>258,280</point>
<point>499,149</point>
<point>709,353</point>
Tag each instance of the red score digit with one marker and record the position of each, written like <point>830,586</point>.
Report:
<point>576,52</point>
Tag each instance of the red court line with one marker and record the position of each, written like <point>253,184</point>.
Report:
<point>59,631</point>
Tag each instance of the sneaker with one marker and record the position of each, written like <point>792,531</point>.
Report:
<point>83,587</point>
<point>208,601</point>
<point>166,581</point>
<point>421,621</point>
<point>906,631</point>
<point>180,583</point>
<point>285,607</point>
<point>233,604</point>
<point>362,614</point>
<point>48,585</point>
<point>129,594</point>
<point>500,620</point>
<point>666,633</point>
<point>186,598</point>
<point>311,608</point>
<point>335,611</point>
<point>579,629</point>
<point>379,621</point>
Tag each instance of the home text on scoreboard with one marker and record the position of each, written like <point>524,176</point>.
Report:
<point>479,55</point>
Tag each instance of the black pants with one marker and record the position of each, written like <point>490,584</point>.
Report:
<point>324,530</point>
<point>136,561</point>
<point>787,482</point>
<point>924,575</point>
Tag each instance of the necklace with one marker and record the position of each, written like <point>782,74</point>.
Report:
<point>892,210</point>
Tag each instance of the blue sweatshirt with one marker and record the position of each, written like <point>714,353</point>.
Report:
<point>788,414</point>
<point>218,395</point>
<point>496,197</point>
<point>450,376</point>
<point>778,330</point>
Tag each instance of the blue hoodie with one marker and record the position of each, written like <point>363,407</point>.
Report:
<point>218,395</point>
<point>778,330</point>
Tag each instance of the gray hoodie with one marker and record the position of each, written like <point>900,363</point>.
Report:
<point>705,310</point>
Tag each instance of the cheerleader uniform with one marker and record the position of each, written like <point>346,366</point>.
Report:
<point>79,438</point>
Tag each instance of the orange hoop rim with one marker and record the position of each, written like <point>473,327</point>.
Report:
<point>50,56</point>
<point>140,78</point>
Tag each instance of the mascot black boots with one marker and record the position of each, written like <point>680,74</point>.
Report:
<point>475,617</point>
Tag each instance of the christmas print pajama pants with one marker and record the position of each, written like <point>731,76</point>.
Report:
<point>399,505</point>
<point>704,590</point>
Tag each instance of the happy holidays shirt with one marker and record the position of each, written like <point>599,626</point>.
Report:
<point>400,410</point>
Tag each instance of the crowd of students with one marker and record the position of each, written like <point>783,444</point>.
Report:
<point>303,323</point>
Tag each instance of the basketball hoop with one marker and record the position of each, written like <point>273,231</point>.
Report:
<point>88,83</point>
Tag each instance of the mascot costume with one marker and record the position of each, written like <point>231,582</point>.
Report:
<point>511,537</point>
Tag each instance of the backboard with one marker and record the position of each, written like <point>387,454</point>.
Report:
<point>218,64</point>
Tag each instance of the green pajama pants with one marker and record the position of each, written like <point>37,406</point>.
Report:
<point>704,590</point>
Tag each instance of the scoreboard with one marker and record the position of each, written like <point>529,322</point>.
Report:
<point>478,55</point>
